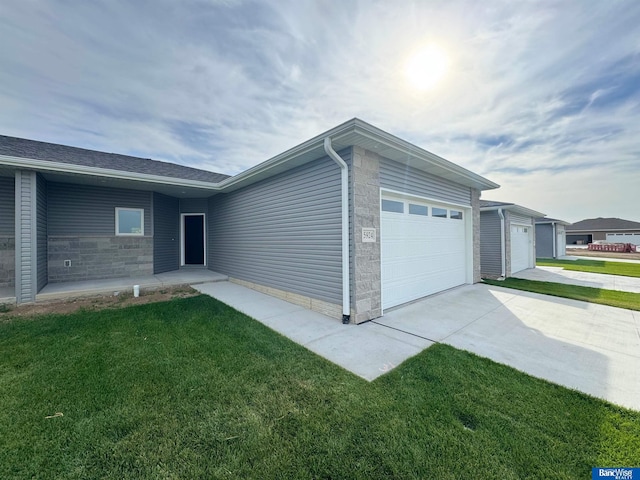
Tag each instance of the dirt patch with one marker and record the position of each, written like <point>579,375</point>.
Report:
<point>96,302</point>
<point>583,252</point>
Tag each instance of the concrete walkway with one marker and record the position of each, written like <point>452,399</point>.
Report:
<point>588,347</point>
<point>584,279</point>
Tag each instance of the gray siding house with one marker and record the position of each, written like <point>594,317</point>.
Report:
<point>507,238</point>
<point>348,223</point>
<point>550,238</point>
<point>615,230</point>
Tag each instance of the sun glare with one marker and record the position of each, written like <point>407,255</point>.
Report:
<point>427,67</point>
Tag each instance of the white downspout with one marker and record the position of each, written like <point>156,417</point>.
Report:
<point>344,177</point>
<point>503,249</point>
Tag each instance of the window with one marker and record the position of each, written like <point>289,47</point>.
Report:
<point>129,221</point>
<point>439,212</point>
<point>418,209</point>
<point>392,206</point>
<point>455,214</point>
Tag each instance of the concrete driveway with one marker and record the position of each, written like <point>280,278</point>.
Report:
<point>585,279</point>
<point>589,347</point>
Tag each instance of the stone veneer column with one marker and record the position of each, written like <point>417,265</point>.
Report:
<point>507,243</point>
<point>475,210</point>
<point>366,288</point>
<point>25,237</point>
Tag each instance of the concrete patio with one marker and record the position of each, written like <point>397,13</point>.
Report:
<point>66,290</point>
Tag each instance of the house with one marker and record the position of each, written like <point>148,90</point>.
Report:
<point>550,237</point>
<point>349,223</point>
<point>608,229</point>
<point>507,238</point>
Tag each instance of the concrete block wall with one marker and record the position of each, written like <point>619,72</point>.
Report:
<point>366,301</point>
<point>7,261</point>
<point>99,257</point>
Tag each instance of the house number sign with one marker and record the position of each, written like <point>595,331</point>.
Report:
<point>368,235</point>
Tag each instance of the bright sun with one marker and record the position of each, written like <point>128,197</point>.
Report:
<point>426,67</point>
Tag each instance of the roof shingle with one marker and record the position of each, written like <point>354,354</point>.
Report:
<point>23,148</point>
<point>604,224</point>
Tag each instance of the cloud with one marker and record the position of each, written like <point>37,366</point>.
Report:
<point>535,89</point>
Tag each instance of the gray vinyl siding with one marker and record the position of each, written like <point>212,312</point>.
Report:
<point>166,234</point>
<point>490,247</point>
<point>520,219</point>
<point>395,176</point>
<point>41,229</point>
<point>76,210</point>
<point>544,240</point>
<point>283,232</point>
<point>7,206</point>
<point>25,195</point>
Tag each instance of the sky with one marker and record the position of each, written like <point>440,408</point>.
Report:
<point>542,97</point>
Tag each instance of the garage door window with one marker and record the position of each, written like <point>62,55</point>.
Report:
<point>392,206</point>
<point>418,209</point>
<point>455,214</point>
<point>439,212</point>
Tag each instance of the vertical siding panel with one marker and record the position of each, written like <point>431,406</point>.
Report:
<point>283,232</point>
<point>41,230</point>
<point>490,248</point>
<point>395,176</point>
<point>166,234</point>
<point>544,240</point>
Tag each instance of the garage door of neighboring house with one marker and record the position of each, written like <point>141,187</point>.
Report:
<point>624,238</point>
<point>521,247</point>
<point>423,249</point>
<point>561,243</point>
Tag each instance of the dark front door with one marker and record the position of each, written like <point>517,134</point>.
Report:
<point>194,239</point>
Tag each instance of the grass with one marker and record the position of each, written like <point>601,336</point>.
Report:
<point>193,389</point>
<point>593,266</point>
<point>612,298</point>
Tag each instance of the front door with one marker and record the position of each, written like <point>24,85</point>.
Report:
<point>193,239</point>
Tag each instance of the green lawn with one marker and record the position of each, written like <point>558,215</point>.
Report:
<point>613,298</point>
<point>594,266</point>
<point>193,389</point>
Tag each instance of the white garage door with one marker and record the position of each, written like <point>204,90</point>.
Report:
<point>521,247</point>
<point>561,242</point>
<point>624,238</point>
<point>423,249</point>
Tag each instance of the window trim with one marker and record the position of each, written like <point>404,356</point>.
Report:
<point>124,234</point>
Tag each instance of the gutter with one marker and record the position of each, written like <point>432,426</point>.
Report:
<point>503,253</point>
<point>344,177</point>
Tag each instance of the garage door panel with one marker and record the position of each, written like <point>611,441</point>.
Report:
<point>521,248</point>
<point>421,255</point>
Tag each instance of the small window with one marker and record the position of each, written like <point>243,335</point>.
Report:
<point>129,221</point>
<point>392,206</point>
<point>439,212</point>
<point>455,214</point>
<point>418,209</point>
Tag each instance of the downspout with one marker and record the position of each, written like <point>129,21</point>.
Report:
<point>344,177</point>
<point>503,252</point>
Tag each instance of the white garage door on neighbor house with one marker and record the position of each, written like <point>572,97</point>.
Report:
<point>424,248</point>
<point>521,247</point>
<point>624,238</point>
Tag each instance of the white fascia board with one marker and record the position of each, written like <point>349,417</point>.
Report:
<point>59,167</point>
<point>515,209</point>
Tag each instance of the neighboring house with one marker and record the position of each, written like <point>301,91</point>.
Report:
<point>380,223</point>
<point>608,229</point>
<point>550,238</point>
<point>507,238</point>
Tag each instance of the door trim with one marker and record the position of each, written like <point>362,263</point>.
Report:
<point>204,236</point>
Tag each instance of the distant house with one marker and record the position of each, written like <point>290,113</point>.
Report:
<point>550,237</point>
<point>348,223</point>
<point>607,229</point>
<point>507,238</point>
